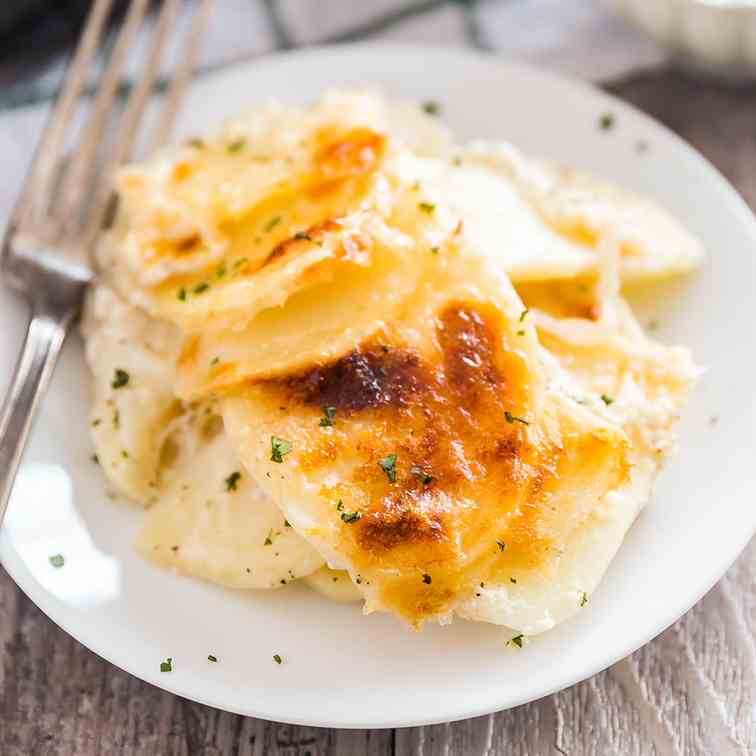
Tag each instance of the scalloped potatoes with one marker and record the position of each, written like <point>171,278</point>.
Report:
<point>336,283</point>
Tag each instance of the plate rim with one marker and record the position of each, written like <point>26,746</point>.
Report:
<point>730,195</point>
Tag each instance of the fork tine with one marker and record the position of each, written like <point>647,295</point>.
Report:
<point>76,183</point>
<point>48,151</point>
<point>181,78</point>
<point>124,137</point>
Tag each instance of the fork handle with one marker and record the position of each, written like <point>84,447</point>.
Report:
<point>44,338</point>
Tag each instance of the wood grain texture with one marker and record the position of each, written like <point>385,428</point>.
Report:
<point>690,691</point>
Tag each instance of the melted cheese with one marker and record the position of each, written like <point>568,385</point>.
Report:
<point>455,389</point>
<point>343,256</point>
<point>175,459</point>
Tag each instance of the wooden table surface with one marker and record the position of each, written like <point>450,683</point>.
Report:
<point>690,691</point>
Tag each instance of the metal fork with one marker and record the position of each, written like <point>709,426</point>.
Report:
<point>45,255</point>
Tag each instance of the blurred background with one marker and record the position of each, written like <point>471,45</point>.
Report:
<point>586,38</point>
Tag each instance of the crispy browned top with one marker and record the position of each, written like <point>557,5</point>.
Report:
<point>475,465</point>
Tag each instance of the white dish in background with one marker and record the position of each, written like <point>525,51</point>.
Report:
<point>341,669</point>
<point>708,36</point>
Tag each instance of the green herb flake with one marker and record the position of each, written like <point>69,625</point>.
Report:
<point>521,333</point>
<point>606,122</point>
<point>201,286</point>
<point>351,517</point>
<point>167,665</point>
<point>116,418</point>
<point>215,361</point>
<point>388,465</point>
<point>57,561</point>
<point>95,459</point>
<point>427,579</point>
<point>516,641</point>
<point>287,524</point>
<point>198,144</point>
<point>583,599</point>
<point>269,538</point>
<point>277,659</point>
<point>241,261</point>
<point>303,236</point>
<point>273,222</point>
<point>236,146</point>
<point>523,314</point>
<point>434,250</point>
<point>501,545</point>
<point>233,480</point>
<point>212,658</point>
<point>96,422</point>
<point>510,418</point>
<point>124,454</point>
<point>221,270</point>
<point>278,449</point>
<point>181,295</point>
<point>120,379</point>
<point>431,107</point>
<point>607,400</point>
<point>457,160</point>
<point>339,506</point>
<point>513,580</point>
<point>427,207</point>
<point>329,412</point>
<point>421,475</point>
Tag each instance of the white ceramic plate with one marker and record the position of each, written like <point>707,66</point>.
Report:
<point>341,669</point>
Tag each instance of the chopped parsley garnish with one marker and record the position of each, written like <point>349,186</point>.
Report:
<point>116,418</point>
<point>302,236</point>
<point>517,640</point>
<point>513,580</point>
<point>215,361</point>
<point>287,524</point>
<point>232,481</point>
<point>501,545</point>
<point>523,314</point>
<point>329,412</point>
<point>434,250</point>
<point>427,207</point>
<point>57,561</point>
<point>388,465</point>
<point>201,286</point>
<point>607,400</point>
<point>181,294</point>
<point>273,222</point>
<point>221,270</point>
<point>167,665</point>
<point>95,459</point>
<point>606,122</point>
<point>277,658</point>
<point>212,658</point>
<point>339,506</point>
<point>510,418</point>
<point>457,160</point>
<point>198,144</point>
<point>236,146</point>
<point>269,538</point>
<point>427,579</point>
<point>583,598</point>
<point>241,261</point>
<point>120,379</point>
<point>278,449</point>
<point>350,517</point>
<point>431,107</point>
<point>520,333</point>
<point>96,422</point>
<point>421,475</point>
<point>124,454</point>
